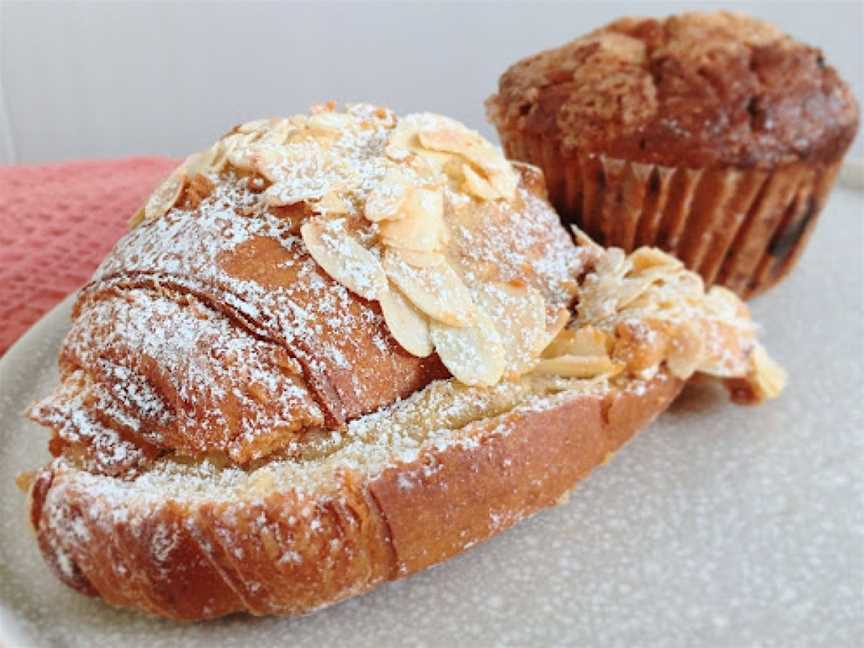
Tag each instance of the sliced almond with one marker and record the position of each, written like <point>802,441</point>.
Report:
<point>631,289</point>
<point>448,137</point>
<point>686,350</point>
<point>583,240</point>
<point>724,304</point>
<point>388,199</point>
<point>553,329</point>
<point>396,153</point>
<point>344,259</point>
<point>446,163</point>
<point>587,341</point>
<point>331,121</point>
<point>237,150</point>
<point>503,178</point>
<point>165,196</point>
<point>254,126</point>
<point>309,173</point>
<point>199,162</point>
<point>519,315</point>
<point>364,112</point>
<point>572,366</point>
<point>268,161</point>
<point>408,326</point>
<point>473,354</point>
<point>650,257</point>
<point>422,229</point>
<point>219,156</point>
<point>436,290</point>
<point>280,194</point>
<point>455,138</point>
<point>767,378</point>
<point>427,162</point>
<point>137,219</point>
<point>332,203</point>
<point>404,136</point>
<point>422,259</point>
<point>613,263</point>
<point>477,186</point>
<point>532,178</point>
<point>278,134</point>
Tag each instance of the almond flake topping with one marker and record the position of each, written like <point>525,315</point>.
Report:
<point>652,311</point>
<point>422,259</point>
<point>343,258</point>
<point>387,200</point>
<point>463,253</point>
<point>475,354</point>
<point>519,315</point>
<point>165,196</point>
<point>409,326</point>
<point>421,228</point>
<point>436,290</point>
<point>574,366</point>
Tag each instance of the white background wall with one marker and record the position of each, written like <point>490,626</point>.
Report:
<point>124,78</point>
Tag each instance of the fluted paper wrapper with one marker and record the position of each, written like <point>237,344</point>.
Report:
<point>743,229</point>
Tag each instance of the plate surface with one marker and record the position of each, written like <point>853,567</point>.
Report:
<point>720,526</point>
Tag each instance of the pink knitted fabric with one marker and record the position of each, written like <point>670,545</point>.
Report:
<point>57,222</point>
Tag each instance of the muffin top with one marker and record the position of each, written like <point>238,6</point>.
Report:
<point>695,90</point>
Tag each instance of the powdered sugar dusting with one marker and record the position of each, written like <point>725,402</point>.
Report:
<point>720,525</point>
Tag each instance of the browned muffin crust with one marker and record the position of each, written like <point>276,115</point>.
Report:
<point>696,90</point>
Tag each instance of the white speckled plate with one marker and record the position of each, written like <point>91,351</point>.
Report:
<point>720,526</point>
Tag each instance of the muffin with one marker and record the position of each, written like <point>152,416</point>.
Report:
<point>713,136</point>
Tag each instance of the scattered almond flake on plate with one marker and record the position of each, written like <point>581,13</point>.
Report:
<point>436,290</point>
<point>344,259</point>
<point>408,326</point>
<point>473,354</point>
<point>767,378</point>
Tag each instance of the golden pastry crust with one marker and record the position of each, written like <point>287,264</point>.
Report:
<point>694,90</point>
<point>341,347</point>
<point>199,544</point>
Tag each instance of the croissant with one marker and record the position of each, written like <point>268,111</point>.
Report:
<point>340,347</point>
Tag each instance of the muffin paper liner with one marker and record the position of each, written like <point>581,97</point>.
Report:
<point>741,228</point>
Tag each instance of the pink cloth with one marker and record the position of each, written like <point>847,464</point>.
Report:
<point>57,222</point>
